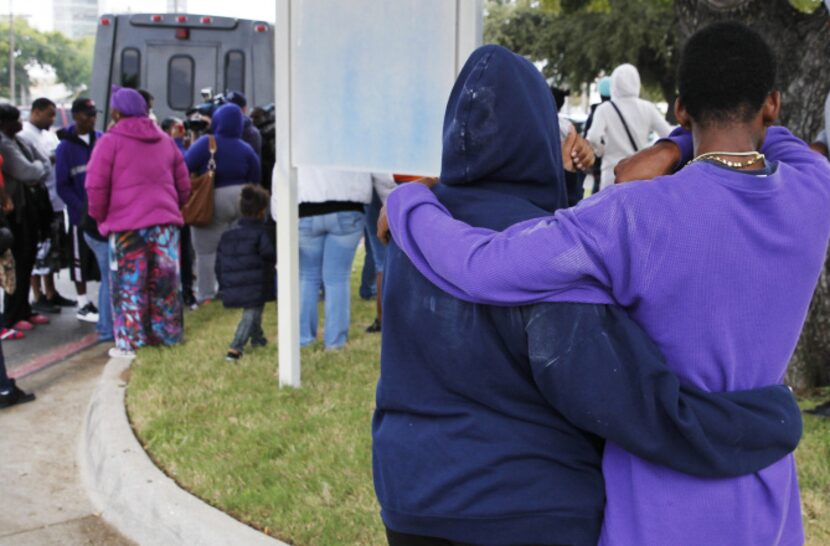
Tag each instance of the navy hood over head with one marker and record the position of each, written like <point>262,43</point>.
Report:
<point>501,134</point>
<point>236,162</point>
<point>465,446</point>
<point>228,121</point>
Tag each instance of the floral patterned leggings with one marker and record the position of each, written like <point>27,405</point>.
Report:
<point>146,296</point>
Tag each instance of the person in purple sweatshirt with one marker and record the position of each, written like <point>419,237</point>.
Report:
<point>71,159</point>
<point>717,263</point>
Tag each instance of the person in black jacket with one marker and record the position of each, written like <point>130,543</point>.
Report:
<point>250,133</point>
<point>245,265</point>
<point>10,393</point>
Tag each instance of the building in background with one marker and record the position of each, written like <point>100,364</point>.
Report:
<point>76,18</point>
<point>176,6</point>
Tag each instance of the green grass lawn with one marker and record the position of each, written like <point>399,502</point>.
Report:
<point>297,463</point>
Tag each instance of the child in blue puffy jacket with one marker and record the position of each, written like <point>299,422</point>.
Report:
<point>245,268</point>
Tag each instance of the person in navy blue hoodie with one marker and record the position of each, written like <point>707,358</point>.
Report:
<point>71,158</point>
<point>488,420</point>
<point>236,165</point>
<point>245,268</point>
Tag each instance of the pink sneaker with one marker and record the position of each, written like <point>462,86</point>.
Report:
<point>23,326</point>
<point>9,333</point>
<point>39,320</point>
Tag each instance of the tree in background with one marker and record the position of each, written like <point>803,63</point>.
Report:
<point>70,59</point>
<point>579,40</point>
<point>582,39</point>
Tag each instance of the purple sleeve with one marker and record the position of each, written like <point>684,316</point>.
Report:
<point>63,182</point>
<point>683,139</point>
<point>545,259</point>
<point>781,145</point>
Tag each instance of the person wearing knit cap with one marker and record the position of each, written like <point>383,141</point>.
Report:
<point>136,184</point>
<point>126,102</point>
<point>604,88</point>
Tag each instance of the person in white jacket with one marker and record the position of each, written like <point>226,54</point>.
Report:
<point>622,125</point>
<point>332,218</point>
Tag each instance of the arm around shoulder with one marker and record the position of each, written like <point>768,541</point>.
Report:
<point>781,145</point>
<point>544,259</point>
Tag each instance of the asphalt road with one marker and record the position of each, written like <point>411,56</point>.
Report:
<point>46,344</point>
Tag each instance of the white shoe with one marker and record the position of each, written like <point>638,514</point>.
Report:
<point>88,313</point>
<point>115,352</point>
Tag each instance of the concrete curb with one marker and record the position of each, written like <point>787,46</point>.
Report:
<point>134,496</point>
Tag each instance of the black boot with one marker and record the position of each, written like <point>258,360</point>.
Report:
<point>14,396</point>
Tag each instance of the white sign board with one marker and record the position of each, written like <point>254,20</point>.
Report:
<point>361,85</point>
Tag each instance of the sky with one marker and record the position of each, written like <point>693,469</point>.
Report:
<point>40,11</point>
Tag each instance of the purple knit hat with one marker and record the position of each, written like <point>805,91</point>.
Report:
<point>128,101</point>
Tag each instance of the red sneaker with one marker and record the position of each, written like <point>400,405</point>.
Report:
<point>23,325</point>
<point>10,333</point>
<point>39,320</point>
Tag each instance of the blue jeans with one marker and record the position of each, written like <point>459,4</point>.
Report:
<point>328,243</point>
<point>249,328</point>
<point>101,249</point>
<point>368,288</point>
<point>373,244</point>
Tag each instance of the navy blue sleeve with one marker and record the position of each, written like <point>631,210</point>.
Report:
<point>197,155</point>
<point>598,368</point>
<point>63,181</point>
<point>267,249</point>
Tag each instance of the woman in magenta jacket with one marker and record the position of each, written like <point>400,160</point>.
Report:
<point>137,183</point>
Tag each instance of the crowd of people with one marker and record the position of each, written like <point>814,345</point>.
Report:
<point>550,374</point>
<point>92,202</point>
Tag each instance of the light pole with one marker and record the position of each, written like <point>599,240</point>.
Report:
<point>11,54</point>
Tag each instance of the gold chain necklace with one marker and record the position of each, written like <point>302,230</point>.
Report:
<point>755,157</point>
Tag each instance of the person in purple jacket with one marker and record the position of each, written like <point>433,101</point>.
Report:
<point>236,165</point>
<point>717,263</point>
<point>136,184</point>
<point>88,245</point>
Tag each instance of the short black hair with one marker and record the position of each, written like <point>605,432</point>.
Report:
<point>42,104</point>
<point>9,113</point>
<point>725,74</point>
<point>168,123</point>
<point>253,200</point>
<point>559,96</point>
<point>148,98</point>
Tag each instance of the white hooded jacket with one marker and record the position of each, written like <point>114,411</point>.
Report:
<point>607,134</point>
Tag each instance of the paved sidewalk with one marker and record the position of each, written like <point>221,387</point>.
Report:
<point>43,500</point>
